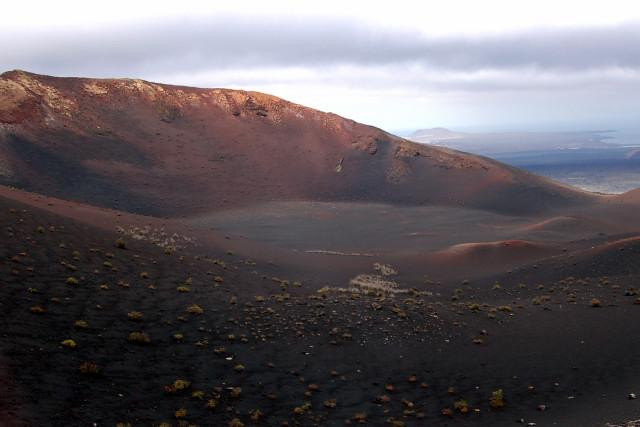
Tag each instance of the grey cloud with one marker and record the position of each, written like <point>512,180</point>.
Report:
<point>227,42</point>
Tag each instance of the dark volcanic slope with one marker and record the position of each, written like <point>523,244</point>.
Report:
<point>169,150</point>
<point>231,345</point>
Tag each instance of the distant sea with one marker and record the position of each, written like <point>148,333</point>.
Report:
<point>605,170</point>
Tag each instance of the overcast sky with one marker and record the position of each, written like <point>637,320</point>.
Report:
<point>399,65</point>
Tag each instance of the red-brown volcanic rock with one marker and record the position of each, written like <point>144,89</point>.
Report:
<point>630,197</point>
<point>169,150</point>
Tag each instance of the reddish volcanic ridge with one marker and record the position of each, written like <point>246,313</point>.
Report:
<point>175,151</point>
